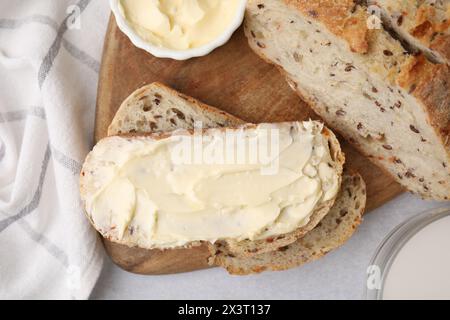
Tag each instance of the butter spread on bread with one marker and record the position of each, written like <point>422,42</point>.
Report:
<point>135,193</point>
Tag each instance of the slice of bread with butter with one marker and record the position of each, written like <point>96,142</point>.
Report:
<point>391,105</point>
<point>424,25</point>
<point>165,205</point>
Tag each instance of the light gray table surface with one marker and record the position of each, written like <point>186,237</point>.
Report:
<point>339,275</point>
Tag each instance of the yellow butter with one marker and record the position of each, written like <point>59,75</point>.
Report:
<point>179,24</point>
<point>148,197</point>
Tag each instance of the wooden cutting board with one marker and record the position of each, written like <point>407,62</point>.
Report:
<point>231,78</point>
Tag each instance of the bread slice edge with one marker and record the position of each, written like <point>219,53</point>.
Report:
<point>333,231</point>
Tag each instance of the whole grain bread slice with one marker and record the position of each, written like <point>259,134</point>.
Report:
<point>392,106</point>
<point>156,110</point>
<point>333,231</point>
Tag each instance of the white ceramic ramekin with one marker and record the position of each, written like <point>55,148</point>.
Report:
<point>162,52</point>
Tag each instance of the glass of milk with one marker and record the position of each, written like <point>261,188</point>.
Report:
<point>413,262</point>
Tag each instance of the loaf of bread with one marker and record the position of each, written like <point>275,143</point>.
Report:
<point>391,105</point>
<point>425,25</point>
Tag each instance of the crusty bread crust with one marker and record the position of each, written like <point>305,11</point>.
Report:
<point>425,24</point>
<point>332,232</point>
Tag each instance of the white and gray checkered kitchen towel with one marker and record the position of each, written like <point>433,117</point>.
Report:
<point>49,63</point>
